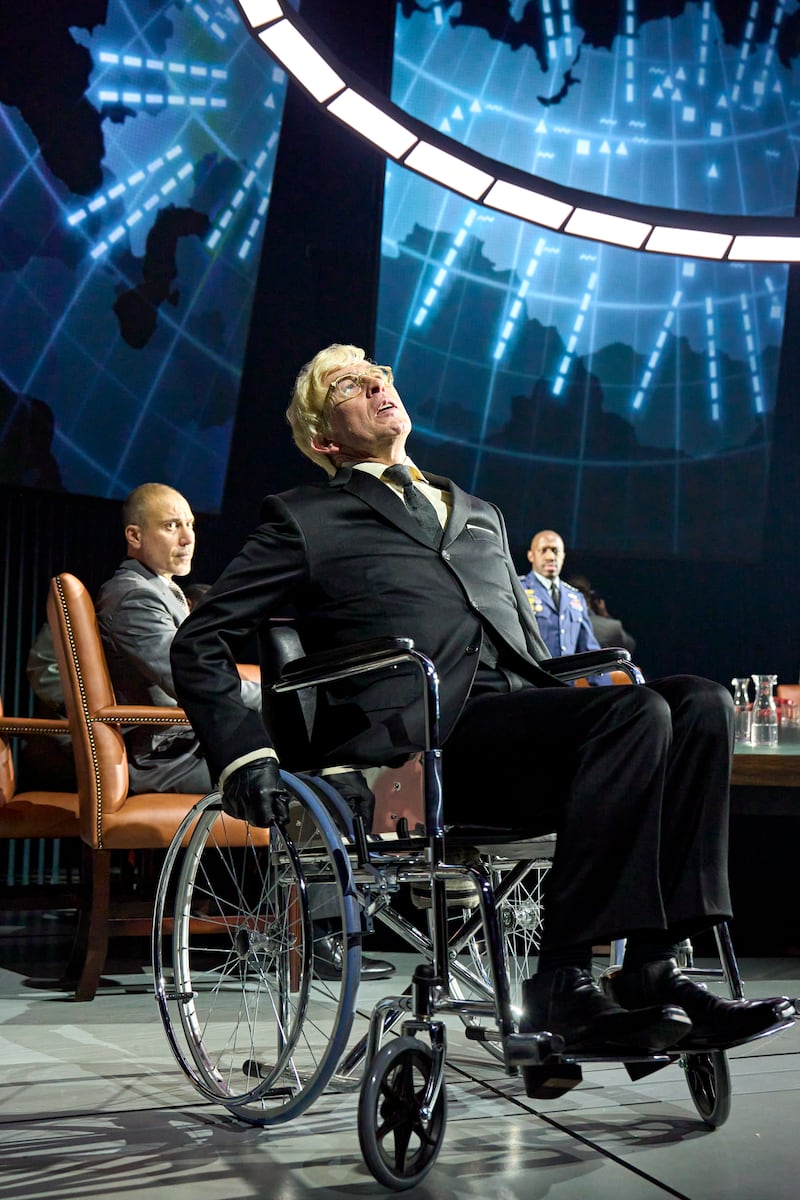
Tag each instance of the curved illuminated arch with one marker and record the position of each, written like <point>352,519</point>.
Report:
<point>497,185</point>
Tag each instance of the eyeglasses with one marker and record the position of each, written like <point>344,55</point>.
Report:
<point>347,387</point>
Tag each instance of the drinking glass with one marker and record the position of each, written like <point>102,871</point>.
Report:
<point>764,718</point>
<point>741,709</point>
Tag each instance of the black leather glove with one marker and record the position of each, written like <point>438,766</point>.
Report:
<point>352,787</point>
<point>255,793</point>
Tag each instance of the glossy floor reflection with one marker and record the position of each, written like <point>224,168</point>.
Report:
<point>92,1104</point>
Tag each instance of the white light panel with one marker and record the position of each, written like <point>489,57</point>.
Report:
<point>445,168</point>
<point>301,60</point>
<point>691,243</point>
<point>372,123</point>
<point>757,248</point>
<point>260,12</point>
<point>604,227</point>
<point>530,205</point>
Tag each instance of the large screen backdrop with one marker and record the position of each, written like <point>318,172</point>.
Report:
<point>624,399</point>
<point>138,142</point>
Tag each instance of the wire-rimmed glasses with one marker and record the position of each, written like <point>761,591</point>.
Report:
<point>347,387</point>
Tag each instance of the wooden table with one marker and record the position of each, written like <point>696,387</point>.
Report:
<point>765,781</point>
<point>762,766</point>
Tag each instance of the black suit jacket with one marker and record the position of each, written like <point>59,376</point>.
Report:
<point>348,560</point>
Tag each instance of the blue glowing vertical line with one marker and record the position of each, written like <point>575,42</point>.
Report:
<point>655,354</point>
<point>550,30</point>
<point>705,38</point>
<point>760,86</point>
<point>443,272</point>
<point>630,51</point>
<point>744,54</point>
<point>577,326</point>
<point>517,308</point>
<point>752,352</point>
<point>712,362</point>
<point>566,27</point>
<point>494,367</point>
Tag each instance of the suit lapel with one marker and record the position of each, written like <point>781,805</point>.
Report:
<point>460,508</point>
<point>380,498</point>
<point>383,500</point>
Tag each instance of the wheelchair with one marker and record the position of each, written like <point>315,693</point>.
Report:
<point>257,1027</point>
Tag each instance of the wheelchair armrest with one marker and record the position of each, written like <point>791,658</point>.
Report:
<point>334,664</point>
<point>593,662</point>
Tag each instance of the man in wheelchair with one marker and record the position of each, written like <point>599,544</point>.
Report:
<point>635,780</point>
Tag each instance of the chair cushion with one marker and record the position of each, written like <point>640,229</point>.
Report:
<point>40,814</point>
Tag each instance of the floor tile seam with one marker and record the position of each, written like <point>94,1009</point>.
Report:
<point>27,1120</point>
<point>603,1151</point>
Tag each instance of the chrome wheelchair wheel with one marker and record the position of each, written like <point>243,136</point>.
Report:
<point>709,1078</point>
<point>399,1139</point>
<point>246,1015</point>
<point>520,912</point>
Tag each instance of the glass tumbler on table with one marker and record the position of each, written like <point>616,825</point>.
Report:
<point>764,718</point>
<point>741,709</point>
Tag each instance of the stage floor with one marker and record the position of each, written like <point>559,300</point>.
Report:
<point>93,1105</point>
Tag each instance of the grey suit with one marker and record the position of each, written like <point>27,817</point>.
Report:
<point>138,615</point>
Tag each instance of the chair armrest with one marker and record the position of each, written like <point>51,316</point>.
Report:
<point>335,664</point>
<point>139,714</point>
<point>20,726</point>
<point>593,662</point>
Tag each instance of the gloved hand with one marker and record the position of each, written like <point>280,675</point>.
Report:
<point>255,793</point>
<point>353,787</point>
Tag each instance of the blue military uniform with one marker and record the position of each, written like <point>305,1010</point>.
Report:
<point>568,629</point>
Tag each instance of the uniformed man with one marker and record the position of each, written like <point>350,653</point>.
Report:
<point>560,609</point>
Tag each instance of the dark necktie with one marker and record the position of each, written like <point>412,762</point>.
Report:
<point>417,504</point>
<point>554,593</point>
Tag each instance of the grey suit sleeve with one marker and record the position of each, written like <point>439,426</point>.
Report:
<point>42,671</point>
<point>142,630</point>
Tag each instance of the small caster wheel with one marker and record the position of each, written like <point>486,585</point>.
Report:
<point>709,1080</point>
<point>399,1141</point>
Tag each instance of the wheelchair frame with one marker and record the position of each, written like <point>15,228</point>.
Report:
<point>215,1002</point>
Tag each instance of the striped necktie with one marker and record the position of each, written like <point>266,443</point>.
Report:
<point>179,595</point>
<point>416,502</point>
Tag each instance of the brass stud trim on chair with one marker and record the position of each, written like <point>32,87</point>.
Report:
<point>85,708</point>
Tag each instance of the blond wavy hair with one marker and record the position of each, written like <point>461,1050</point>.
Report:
<point>307,412</point>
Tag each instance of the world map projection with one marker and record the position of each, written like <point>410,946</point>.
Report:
<point>138,143</point>
<point>621,398</point>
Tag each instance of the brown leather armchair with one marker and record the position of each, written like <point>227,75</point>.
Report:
<point>35,813</point>
<point>110,819</point>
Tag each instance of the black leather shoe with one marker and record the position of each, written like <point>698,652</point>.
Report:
<point>328,961</point>
<point>569,1002</point>
<point>717,1023</point>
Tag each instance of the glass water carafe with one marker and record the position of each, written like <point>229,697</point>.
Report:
<point>764,718</point>
<point>741,709</point>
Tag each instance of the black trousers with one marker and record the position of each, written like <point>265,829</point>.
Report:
<point>634,781</point>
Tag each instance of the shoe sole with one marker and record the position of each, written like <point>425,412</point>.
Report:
<point>698,1044</point>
